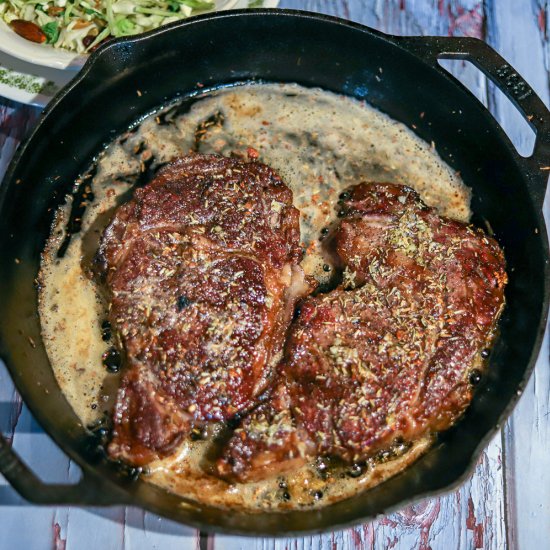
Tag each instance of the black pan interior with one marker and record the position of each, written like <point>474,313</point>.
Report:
<point>126,80</point>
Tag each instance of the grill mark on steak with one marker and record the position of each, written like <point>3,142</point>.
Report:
<point>201,271</point>
<point>385,356</point>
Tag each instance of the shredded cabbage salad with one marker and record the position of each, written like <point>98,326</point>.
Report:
<point>80,25</point>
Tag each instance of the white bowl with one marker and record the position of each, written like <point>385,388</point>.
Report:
<point>38,54</point>
<point>32,73</point>
<point>48,56</point>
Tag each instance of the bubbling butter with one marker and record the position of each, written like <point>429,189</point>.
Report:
<point>320,143</point>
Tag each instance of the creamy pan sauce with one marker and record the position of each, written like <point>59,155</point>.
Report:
<point>320,143</point>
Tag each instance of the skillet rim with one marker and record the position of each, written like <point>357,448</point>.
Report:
<point>89,470</point>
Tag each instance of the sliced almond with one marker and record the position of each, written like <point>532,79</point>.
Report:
<point>55,10</point>
<point>29,30</point>
<point>80,24</point>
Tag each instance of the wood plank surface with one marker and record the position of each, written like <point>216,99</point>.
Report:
<point>506,502</point>
<point>526,436</point>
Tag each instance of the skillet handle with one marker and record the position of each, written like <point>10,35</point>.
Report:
<point>510,82</point>
<point>87,491</point>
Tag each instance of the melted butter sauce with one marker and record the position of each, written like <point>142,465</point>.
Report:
<point>320,143</point>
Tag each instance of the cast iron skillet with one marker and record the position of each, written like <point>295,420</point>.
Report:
<point>130,77</point>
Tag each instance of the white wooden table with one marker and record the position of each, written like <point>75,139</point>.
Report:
<point>506,502</point>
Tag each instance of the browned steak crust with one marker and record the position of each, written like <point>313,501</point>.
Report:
<point>387,355</point>
<point>201,270</point>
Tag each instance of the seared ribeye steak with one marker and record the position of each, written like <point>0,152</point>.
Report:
<point>201,272</point>
<point>386,356</point>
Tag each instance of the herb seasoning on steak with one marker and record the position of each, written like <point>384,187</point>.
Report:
<point>386,356</point>
<point>201,271</point>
